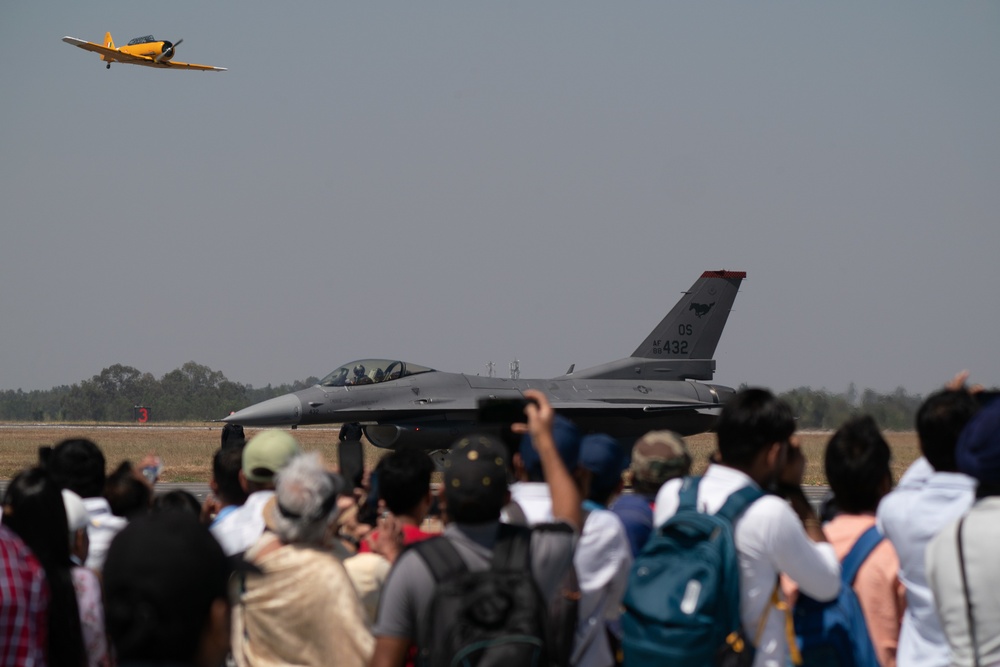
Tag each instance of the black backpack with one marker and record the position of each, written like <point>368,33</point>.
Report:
<point>488,618</point>
<point>564,606</point>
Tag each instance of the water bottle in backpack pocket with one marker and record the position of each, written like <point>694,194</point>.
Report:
<point>682,603</point>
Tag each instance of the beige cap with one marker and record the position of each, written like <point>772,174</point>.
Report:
<point>267,453</point>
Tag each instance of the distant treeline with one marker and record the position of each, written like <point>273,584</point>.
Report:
<point>821,409</point>
<point>190,393</point>
<point>194,392</point>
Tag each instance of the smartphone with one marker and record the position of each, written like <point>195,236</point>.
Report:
<point>502,410</point>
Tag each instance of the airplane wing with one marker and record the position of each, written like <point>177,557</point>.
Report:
<point>611,406</point>
<point>466,407</point>
<point>174,63</point>
<point>114,54</point>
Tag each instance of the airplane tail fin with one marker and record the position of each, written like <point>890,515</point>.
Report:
<point>692,328</point>
<point>108,42</point>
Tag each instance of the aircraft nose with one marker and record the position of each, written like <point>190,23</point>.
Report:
<point>280,411</point>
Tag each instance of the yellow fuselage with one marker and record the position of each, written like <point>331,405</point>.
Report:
<point>147,50</point>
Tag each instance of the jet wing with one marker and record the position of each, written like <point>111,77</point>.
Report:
<point>611,406</point>
<point>467,407</point>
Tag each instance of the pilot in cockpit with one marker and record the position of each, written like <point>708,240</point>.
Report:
<point>359,375</point>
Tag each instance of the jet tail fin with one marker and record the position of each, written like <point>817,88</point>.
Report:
<point>682,345</point>
<point>692,328</point>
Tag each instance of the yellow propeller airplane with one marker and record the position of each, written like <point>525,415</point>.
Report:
<point>147,51</point>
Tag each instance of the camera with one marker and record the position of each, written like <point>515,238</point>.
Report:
<point>502,410</point>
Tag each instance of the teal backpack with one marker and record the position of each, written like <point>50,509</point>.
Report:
<point>682,604</point>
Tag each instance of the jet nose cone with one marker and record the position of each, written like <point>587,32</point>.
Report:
<point>281,411</point>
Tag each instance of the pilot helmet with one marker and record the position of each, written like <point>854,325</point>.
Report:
<point>359,370</point>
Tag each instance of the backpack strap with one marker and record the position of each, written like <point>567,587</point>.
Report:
<point>513,548</point>
<point>858,554</point>
<point>515,514</point>
<point>440,556</point>
<point>688,497</point>
<point>737,502</point>
<point>965,593</point>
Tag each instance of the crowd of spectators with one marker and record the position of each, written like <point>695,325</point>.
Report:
<point>289,562</point>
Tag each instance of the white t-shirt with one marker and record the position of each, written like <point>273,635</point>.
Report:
<point>240,529</point>
<point>102,527</point>
<point>602,560</point>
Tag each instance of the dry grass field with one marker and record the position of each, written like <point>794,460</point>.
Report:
<point>186,449</point>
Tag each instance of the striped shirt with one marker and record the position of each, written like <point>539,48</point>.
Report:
<point>24,602</point>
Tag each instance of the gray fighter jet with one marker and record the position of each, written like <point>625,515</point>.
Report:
<point>657,387</point>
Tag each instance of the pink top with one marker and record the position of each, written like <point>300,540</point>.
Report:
<point>881,594</point>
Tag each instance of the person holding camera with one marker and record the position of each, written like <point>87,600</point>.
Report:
<point>602,558</point>
<point>779,533</point>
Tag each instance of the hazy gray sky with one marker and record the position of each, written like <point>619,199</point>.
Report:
<point>457,182</point>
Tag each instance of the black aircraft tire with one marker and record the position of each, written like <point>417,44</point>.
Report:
<point>350,458</point>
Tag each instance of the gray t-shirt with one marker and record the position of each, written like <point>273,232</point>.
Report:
<point>406,598</point>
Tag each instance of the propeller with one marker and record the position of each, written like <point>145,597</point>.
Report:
<point>169,50</point>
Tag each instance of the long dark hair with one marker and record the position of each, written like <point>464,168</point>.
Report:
<point>33,508</point>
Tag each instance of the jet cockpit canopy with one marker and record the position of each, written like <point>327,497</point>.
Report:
<point>371,371</point>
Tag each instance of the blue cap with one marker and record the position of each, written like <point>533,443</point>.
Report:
<point>978,450</point>
<point>605,457</point>
<point>567,439</point>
